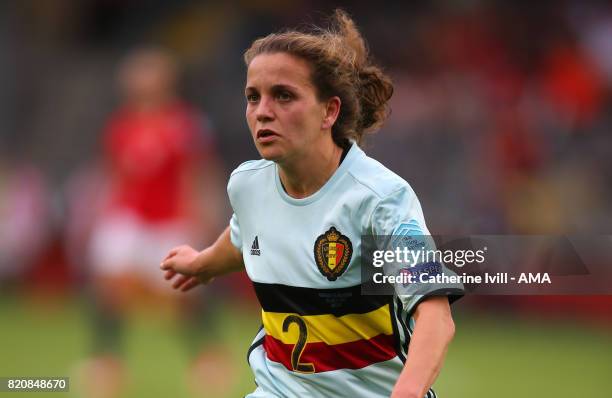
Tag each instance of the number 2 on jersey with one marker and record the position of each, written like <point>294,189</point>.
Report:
<point>298,349</point>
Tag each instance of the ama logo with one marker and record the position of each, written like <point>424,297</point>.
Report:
<point>534,278</point>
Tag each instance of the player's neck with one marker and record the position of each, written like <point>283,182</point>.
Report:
<point>150,103</point>
<point>306,174</point>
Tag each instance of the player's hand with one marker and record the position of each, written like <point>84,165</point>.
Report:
<point>183,261</point>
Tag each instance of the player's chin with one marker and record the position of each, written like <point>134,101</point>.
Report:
<point>271,151</point>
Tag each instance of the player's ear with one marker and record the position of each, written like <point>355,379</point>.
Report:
<point>332,110</point>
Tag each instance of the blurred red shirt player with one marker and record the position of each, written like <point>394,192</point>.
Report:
<point>157,154</point>
<point>149,153</point>
<point>164,188</point>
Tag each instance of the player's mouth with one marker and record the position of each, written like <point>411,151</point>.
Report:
<point>266,135</point>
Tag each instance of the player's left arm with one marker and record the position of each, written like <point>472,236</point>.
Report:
<point>433,332</point>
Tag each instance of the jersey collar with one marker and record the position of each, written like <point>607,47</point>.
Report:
<point>353,153</point>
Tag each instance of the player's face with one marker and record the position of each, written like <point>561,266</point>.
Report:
<point>283,112</point>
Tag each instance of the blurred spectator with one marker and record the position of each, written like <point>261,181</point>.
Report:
<point>572,85</point>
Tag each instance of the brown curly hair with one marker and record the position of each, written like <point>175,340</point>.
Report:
<point>340,66</point>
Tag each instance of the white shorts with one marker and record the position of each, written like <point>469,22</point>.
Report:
<point>123,243</point>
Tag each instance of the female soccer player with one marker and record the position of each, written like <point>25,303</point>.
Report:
<point>299,214</point>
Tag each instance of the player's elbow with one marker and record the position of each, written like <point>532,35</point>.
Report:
<point>446,328</point>
<point>447,324</point>
<point>436,319</point>
<point>450,328</point>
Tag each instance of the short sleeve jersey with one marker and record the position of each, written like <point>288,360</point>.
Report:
<point>320,336</point>
<point>149,153</point>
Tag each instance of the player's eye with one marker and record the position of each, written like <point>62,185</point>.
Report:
<point>284,96</point>
<point>252,98</point>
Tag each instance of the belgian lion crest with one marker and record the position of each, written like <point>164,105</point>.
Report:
<point>332,252</point>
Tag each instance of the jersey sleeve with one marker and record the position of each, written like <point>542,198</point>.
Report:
<point>398,222</point>
<point>235,232</point>
<point>235,235</point>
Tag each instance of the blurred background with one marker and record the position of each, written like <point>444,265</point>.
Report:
<point>121,121</point>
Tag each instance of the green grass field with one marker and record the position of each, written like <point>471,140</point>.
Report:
<point>490,357</point>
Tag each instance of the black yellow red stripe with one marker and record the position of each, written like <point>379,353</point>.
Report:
<point>326,329</point>
<point>309,301</point>
<point>353,355</point>
<point>330,329</point>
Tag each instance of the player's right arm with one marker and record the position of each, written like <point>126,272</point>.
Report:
<point>195,268</point>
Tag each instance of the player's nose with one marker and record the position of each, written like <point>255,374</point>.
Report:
<point>264,111</point>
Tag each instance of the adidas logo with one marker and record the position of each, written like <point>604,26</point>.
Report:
<point>255,248</point>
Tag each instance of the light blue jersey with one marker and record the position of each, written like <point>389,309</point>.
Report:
<point>321,337</point>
